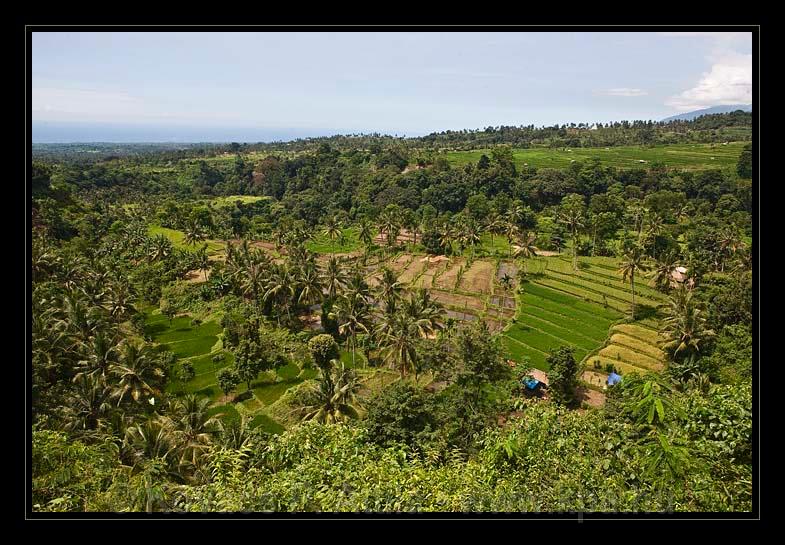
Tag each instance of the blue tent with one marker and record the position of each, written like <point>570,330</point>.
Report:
<point>613,378</point>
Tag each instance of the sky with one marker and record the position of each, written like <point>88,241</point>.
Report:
<point>245,87</point>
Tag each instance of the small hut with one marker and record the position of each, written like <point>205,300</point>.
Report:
<point>613,379</point>
<point>534,381</point>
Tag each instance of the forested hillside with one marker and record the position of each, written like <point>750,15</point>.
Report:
<point>370,323</point>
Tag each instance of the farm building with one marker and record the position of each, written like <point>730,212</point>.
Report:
<point>613,379</point>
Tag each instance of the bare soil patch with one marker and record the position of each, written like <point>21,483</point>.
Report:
<point>478,278</point>
<point>434,266</point>
<point>404,237</point>
<point>400,263</point>
<point>447,279</point>
<point>509,269</point>
<point>595,378</point>
<point>412,270</point>
<point>593,398</point>
<point>196,276</point>
<point>457,301</point>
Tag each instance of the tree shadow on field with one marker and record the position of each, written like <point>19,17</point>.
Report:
<point>156,328</point>
<point>644,311</point>
<point>248,394</point>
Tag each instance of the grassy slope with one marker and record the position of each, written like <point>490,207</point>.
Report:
<point>682,156</point>
<point>178,240</point>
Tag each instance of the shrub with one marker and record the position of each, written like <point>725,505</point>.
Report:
<point>186,371</point>
<point>324,349</point>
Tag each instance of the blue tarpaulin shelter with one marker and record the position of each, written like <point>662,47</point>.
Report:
<point>613,378</point>
<point>531,383</point>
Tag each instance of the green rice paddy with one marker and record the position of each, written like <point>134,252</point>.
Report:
<point>679,156</point>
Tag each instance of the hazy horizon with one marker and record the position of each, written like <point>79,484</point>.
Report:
<point>264,86</point>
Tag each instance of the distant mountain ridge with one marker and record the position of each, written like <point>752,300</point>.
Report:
<point>689,116</point>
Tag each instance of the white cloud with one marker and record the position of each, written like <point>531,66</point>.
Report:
<point>729,81</point>
<point>622,92</point>
<point>726,35</point>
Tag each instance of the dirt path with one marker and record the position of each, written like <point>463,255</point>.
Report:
<point>591,397</point>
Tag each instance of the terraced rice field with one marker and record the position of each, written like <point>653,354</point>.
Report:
<point>679,156</point>
<point>631,347</point>
<point>412,271</point>
<point>562,306</point>
<point>198,345</point>
<point>596,280</point>
<point>457,301</point>
<point>432,270</point>
<point>548,319</point>
<point>177,238</point>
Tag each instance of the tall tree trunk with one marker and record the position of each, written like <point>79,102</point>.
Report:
<point>632,284</point>
<point>574,250</point>
<point>354,348</point>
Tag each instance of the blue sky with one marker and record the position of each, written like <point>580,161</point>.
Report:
<point>185,86</point>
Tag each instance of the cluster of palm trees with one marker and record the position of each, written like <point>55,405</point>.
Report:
<point>460,229</point>
<point>93,379</point>
<point>299,282</point>
<point>392,321</point>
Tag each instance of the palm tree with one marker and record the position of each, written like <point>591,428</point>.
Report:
<point>389,289</point>
<point>397,336</point>
<point>160,248</point>
<point>470,235</point>
<point>729,244</point>
<point>663,269</point>
<point>280,287</point>
<point>335,398</point>
<point>446,239</point>
<point>638,214</point>
<point>310,284</point>
<point>136,372</point>
<point>100,353</point>
<point>352,316</point>
<point>494,225</point>
<point>334,277</point>
<point>655,229</point>
<point>425,313</point>
<point>73,271</point>
<point>194,232</point>
<point>506,281</point>
<point>390,226</point>
<point>79,318</point>
<point>572,217</point>
<point>685,324</point>
<point>514,214</point>
<point>236,434</point>
<point>525,247</point>
<point>119,300</point>
<point>332,228</point>
<point>511,231</point>
<point>366,233</point>
<point>633,261</point>
<point>88,406</point>
<point>203,260</point>
<point>193,428</point>
<point>254,276</point>
<point>151,440</point>
<point>416,227</point>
